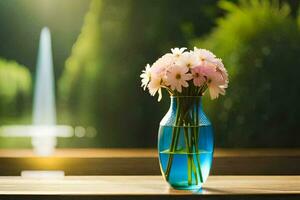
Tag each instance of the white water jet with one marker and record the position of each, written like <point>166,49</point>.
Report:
<point>44,108</point>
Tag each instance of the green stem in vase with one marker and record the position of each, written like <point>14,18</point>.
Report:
<point>175,135</point>
<point>190,141</point>
<point>186,137</point>
<point>187,140</point>
<point>198,162</point>
<point>197,130</point>
<point>192,155</point>
<point>193,142</point>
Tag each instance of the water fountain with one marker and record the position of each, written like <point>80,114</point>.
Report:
<point>44,130</point>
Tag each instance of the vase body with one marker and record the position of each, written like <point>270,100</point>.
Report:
<point>185,144</point>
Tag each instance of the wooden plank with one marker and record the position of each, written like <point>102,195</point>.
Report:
<point>150,153</point>
<point>143,187</point>
<point>145,162</point>
<point>84,153</point>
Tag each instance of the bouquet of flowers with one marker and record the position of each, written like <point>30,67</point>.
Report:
<point>186,73</point>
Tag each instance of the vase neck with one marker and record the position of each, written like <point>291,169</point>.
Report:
<point>185,111</point>
<point>176,100</point>
<point>186,104</point>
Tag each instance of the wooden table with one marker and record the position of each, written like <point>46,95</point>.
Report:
<point>275,174</point>
<point>149,187</point>
<point>145,162</point>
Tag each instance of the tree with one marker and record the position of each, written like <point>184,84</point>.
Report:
<point>15,90</point>
<point>259,44</point>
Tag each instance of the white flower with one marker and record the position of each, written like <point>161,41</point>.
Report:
<point>155,86</point>
<point>177,77</point>
<point>146,76</point>
<point>187,59</point>
<point>165,61</point>
<point>215,90</point>
<point>177,53</point>
<point>204,55</point>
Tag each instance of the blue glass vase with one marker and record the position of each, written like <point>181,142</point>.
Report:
<point>185,143</point>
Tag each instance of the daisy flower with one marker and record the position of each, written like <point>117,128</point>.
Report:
<point>177,52</point>
<point>177,77</point>
<point>204,56</point>
<point>198,78</point>
<point>164,62</point>
<point>215,82</point>
<point>187,59</point>
<point>220,67</point>
<point>159,72</point>
<point>146,76</point>
<point>155,86</point>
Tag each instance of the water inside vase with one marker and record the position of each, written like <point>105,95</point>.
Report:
<point>179,172</point>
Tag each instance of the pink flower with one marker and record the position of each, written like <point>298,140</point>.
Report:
<point>221,68</point>
<point>215,81</point>
<point>160,67</point>
<point>177,77</point>
<point>198,78</point>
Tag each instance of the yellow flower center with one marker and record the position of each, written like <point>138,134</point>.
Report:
<point>178,76</point>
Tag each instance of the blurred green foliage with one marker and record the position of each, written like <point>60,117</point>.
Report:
<point>21,24</point>
<point>259,43</point>
<point>15,91</point>
<point>101,86</point>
